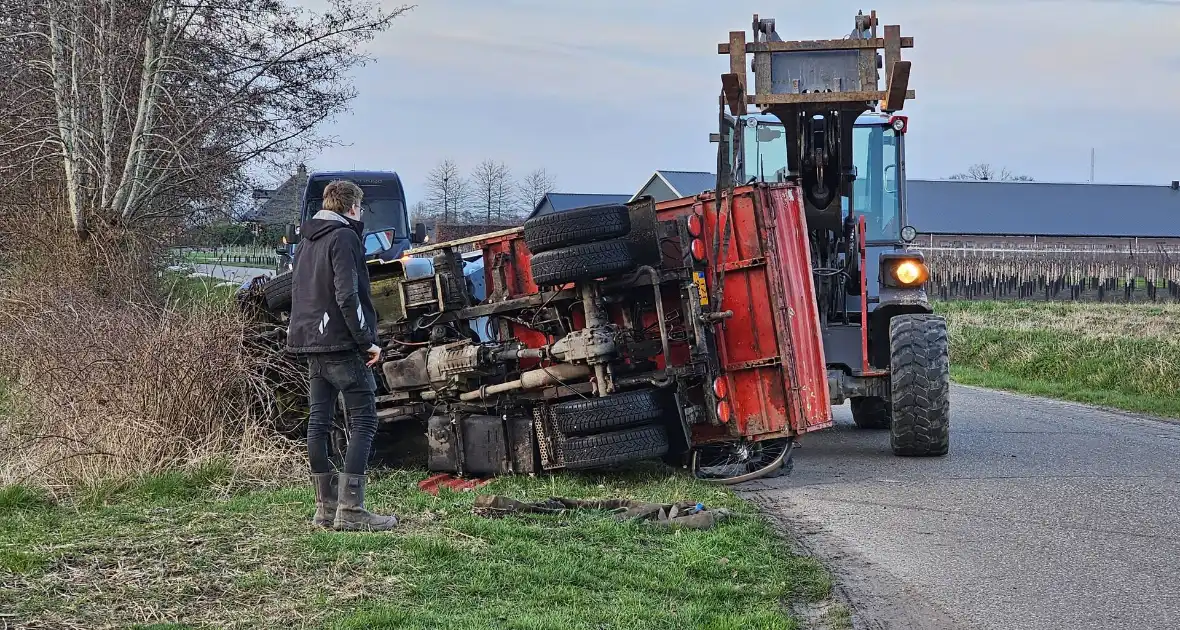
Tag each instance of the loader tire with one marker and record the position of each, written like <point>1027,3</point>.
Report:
<point>582,262</point>
<point>575,227</point>
<point>870,412</point>
<point>277,292</point>
<point>920,386</point>
<point>647,441</point>
<point>592,415</point>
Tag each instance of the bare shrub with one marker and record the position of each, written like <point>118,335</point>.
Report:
<point>108,377</point>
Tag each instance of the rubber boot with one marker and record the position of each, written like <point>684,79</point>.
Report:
<point>326,491</point>
<point>351,514</point>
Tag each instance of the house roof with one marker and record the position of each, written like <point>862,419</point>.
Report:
<point>1041,208</point>
<point>682,183</point>
<point>283,205</point>
<point>559,202</point>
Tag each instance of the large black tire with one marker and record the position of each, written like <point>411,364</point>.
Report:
<point>582,262</point>
<point>277,292</point>
<point>920,386</point>
<point>575,227</point>
<point>592,415</point>
<point>616,447</point>
<point>870,412</point>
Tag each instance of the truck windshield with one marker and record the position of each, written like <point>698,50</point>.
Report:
<point>379,214</point>
<point>876,155</point>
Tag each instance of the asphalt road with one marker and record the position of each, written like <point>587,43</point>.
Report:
<point>1044,515</point>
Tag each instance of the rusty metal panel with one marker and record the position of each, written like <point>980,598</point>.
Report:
<point>822,97</point>
<point>815,44</point>
<point>818,71</point>
<point>794,305</point>
<point>896,90</point>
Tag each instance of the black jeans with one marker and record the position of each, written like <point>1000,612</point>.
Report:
<point>334,374</point>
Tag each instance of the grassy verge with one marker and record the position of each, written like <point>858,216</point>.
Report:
<point>184,291</point>
<point>1115,355</point>
<point>185,549</point>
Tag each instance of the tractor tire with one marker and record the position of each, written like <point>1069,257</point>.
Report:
<point>920,386</point>
<point>593,415</point>
<point>277,292</point>
<point>871,412</point>
<point>575,227</point>
<point>647,441</point>
<point>582,262</point>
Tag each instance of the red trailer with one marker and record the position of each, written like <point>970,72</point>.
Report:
<point>681,331</point>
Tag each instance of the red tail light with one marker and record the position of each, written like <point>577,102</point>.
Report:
<point>698,250</point>
<point>724,413</point>
<point>721,388</point>
<point>695,224</point>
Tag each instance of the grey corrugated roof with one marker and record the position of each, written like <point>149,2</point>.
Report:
<point>975,207</point>
<point>569,201</point>
<point>689,183</point>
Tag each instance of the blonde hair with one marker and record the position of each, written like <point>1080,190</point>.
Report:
<point>341,195</point>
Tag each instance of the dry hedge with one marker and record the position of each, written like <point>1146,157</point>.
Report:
<point>103,375</point>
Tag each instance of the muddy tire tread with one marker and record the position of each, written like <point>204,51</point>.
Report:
<point>920,386</point>
<point>277,292</point>
<point>578,226</point>
<point>582,262</point>
<point>871,412</point>
<point>592,415</point>
<point>615,447</point>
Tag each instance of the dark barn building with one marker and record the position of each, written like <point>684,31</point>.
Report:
<point>1035,215</point>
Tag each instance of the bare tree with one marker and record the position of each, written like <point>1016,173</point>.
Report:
<point>149,109</point>
<point>534,187</point>
<point>448,192</point>
<point>492,187</point>
<point>503,199</point>
<point>420,213</point>
<point>986,172</point>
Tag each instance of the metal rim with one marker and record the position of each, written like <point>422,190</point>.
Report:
<point>738,462</point>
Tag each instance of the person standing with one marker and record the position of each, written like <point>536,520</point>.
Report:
<point>333,325</point>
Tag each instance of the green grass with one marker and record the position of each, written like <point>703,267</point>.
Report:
<point>185,548</point>
<point>1114,355</point>
<point>185,292</point>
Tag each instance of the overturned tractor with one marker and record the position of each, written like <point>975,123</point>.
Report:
<point>710,331</point>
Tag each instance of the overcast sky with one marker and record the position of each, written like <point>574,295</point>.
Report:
<point>602,93</point>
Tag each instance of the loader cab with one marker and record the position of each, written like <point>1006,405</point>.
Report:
<point>878,192</point>
<point>878,155</point>
<point>387,228</point>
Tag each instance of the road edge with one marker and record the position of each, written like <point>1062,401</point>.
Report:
<point>873,595</point>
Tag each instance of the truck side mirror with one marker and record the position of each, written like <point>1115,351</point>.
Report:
<point>291,236</point>
<point>419,235</point>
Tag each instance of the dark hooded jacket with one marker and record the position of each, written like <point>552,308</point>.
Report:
<point>331,304</point>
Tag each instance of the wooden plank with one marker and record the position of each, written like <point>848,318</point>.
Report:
<point>897,89</point>
<point>736,96</point>
<point>820,97</point>
<point>461,241</point>
<point>817,44</point>
<point>892,47</point>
